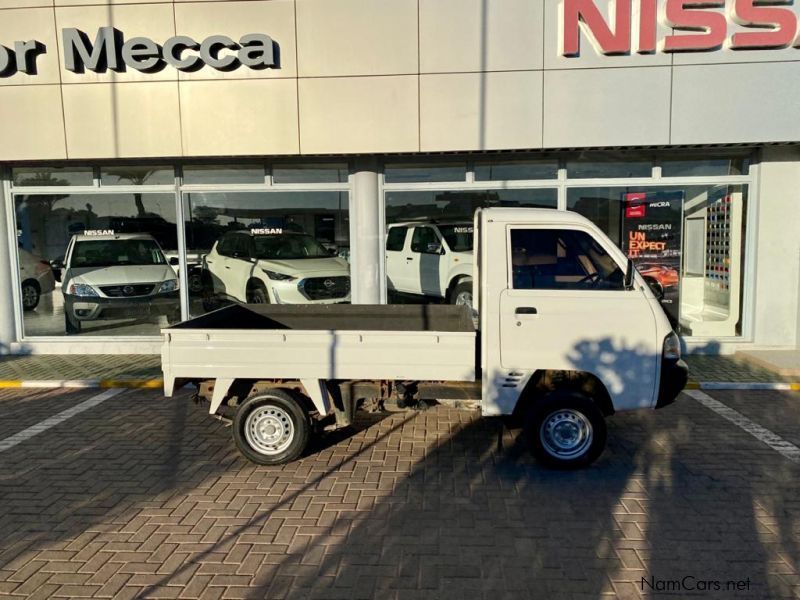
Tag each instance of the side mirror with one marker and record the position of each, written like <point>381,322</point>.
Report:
<point>655,287</point>
<point>628,281</point>
<point>434,248</point>
<point>173,261</point>
<point>57,263</point>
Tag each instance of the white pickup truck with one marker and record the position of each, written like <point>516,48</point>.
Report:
<point>432,258</point>
<point>569,333</point>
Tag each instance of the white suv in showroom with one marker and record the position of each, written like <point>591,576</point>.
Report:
<point>431,259</point>
<point>116,276</point>
<point>270,265</point>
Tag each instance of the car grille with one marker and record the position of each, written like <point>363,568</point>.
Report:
<point>325,288</point>
<point>128,291</point>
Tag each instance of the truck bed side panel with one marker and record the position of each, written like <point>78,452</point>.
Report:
<point>290,354</point>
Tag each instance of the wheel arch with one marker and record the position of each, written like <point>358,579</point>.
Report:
<point>454,281</point>
<point>545,381</point>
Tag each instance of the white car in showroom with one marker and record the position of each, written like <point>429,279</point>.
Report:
<point>431,259</point>
<point>36,278</point>
<point>272,266</point>
<point>116,276</point>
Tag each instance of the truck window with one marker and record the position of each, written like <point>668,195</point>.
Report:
<point>561,259</point>
<point>425,241</point>
<point>396,239</point>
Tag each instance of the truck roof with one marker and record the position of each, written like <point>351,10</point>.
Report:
<point>543,215</point>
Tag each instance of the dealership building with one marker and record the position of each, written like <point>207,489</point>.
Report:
<point>159,159</point>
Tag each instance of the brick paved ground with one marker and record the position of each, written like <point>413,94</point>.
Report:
<point>80,366</point>
<point>133,366</point>
<point>729,368</point>
<point>146,497</point>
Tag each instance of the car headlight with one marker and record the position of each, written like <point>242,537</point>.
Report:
<point>278,276</point>
<point>170,285</point>
<point>82,289</point>
<point>672,347</point>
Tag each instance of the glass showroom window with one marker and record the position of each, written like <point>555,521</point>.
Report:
<point>429,239</point>
<point>687,241</point>
<point>95,264</point>
<point>266,247</point>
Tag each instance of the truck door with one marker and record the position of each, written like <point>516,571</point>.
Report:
<point>565,308</point>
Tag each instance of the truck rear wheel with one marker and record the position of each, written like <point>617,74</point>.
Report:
<point>565,430</point>
<point>271,428</point>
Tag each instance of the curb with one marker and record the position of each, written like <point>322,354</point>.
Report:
<point>83,383</point>
<point>753,386</point>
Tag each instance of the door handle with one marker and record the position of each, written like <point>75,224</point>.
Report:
<point>409,258</point>
<point>526,310</point>
<point>227,267</point>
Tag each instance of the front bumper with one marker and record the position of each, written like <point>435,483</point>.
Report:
<point>287,292</point>
<point>674,375</point>
<point>95,308</point>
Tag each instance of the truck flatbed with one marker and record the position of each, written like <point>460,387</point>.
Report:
<point>321,342</point>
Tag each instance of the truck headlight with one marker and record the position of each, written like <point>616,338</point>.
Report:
<point>82,289</point>
<point>278,276</point>
<point>170,285</point>
<point>672,347</point>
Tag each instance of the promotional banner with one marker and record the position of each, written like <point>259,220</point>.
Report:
<point>651,237</point>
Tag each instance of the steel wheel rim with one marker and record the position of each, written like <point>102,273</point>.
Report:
<point>566,433</point>
<point>269,430</point>
<point>464,299</point>
<point>29,296</point>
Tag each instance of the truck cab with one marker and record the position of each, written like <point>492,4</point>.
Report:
<point>431,258</point>
<point>558,300</point>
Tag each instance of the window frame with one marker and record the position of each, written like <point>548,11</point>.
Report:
<point>613,252</point>
<point>178,189</point>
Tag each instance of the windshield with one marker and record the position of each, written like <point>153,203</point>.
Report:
<point>110,253</point>
<point>458,237</point>
<point>289,246</point>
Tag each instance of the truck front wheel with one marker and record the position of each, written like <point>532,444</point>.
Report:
<point>565,430</point>
<point>271,428</point>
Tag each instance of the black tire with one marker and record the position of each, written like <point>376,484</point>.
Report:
<point>274,409</point>
<point>578,417</point>
<point>196,284</point>
<point>257,294</point>
<point>460,292</point>
<point>30,295</point>
<point>71,326</point>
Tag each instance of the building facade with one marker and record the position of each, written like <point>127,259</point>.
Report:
<point>160,159</point>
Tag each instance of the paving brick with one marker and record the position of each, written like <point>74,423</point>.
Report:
<point>146,498</point>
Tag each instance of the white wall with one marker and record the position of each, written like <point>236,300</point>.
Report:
<point>370,76</point>
<point>777,273</point>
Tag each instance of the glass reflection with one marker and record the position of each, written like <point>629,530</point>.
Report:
<point>259,248</point>
<point>97,264</point>
<point>430,236</point>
